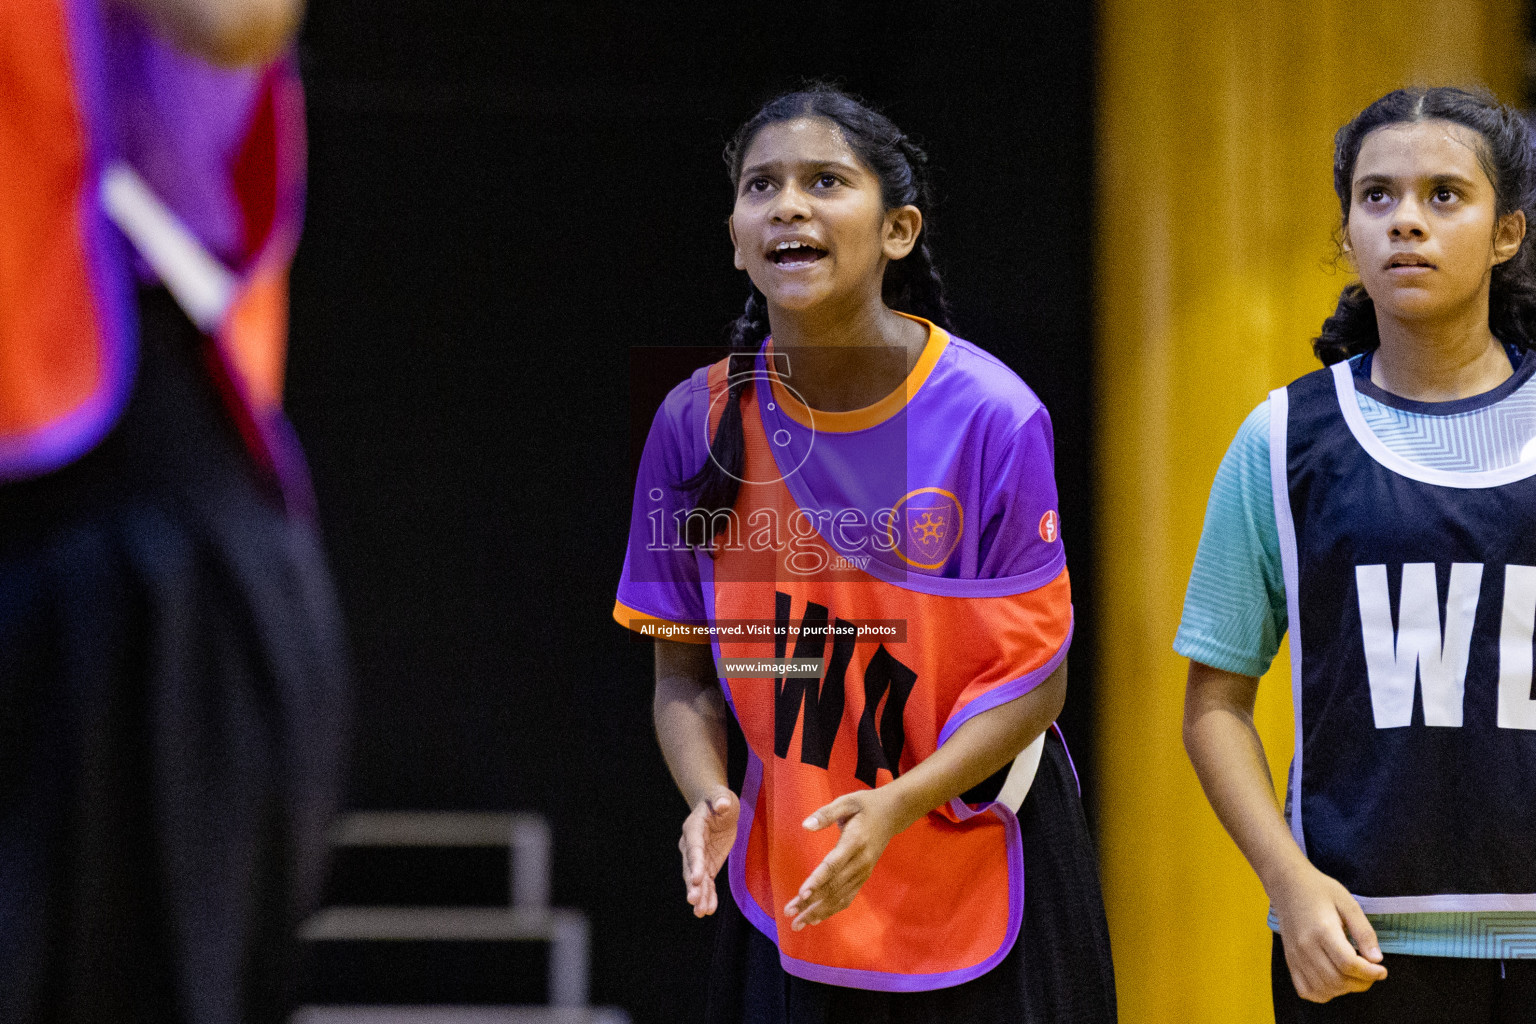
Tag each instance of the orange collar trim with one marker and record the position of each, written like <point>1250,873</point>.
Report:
<point>870,415</point>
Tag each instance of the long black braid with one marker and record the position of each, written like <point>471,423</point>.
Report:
<point>911,285</point>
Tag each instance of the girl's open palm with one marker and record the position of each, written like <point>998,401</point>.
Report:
<point>708,834</point>
<point>867,823</point>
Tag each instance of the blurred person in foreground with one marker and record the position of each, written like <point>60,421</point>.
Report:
<point>171,678</point>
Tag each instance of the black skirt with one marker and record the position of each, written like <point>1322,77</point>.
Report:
<point>1058,972</point>
<point>172,695</point>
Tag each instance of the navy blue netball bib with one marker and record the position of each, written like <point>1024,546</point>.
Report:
<point>1412,602</point>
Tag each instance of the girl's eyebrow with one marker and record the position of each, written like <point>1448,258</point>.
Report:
<point>808,165</point>
<point>1378,180</point>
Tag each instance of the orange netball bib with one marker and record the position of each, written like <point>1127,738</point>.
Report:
<point>905,657</point>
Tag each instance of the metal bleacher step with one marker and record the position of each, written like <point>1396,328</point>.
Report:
<point>486,958</point>
<point>525,837</point>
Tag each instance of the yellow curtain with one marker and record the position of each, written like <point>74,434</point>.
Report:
<point>1214,258</point>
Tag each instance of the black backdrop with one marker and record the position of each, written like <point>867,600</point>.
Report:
<point>504,198</point>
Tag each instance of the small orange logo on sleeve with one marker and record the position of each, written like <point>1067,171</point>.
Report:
<point>1050,527</point>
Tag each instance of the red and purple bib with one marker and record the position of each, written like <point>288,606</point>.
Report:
<point>86,86</point>
<point>912,549</point>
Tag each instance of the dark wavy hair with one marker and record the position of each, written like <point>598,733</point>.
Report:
<point>911,284</point>
<point>1506,157</point>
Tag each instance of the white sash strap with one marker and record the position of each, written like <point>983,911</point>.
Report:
<point>1022,775</point>
<point>201,285</point>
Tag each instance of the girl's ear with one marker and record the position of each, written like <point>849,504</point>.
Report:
<point>730,227</point>
<point>1508,236</point>
<point>902,226</point>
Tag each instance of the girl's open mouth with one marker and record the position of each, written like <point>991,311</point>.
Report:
<point>791,254</point>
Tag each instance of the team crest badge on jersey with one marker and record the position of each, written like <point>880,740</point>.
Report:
<point>927,527</point>
<point>1050,527</point>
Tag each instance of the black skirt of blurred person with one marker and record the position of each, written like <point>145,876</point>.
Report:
<point>172,698</point>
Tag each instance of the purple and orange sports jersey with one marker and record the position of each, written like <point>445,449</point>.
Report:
<point>913,548</point>
<point>87,86</point>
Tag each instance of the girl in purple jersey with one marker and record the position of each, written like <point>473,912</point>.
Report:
<point>828,225</point>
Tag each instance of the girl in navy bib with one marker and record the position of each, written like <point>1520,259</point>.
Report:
<point>1384,510</point>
